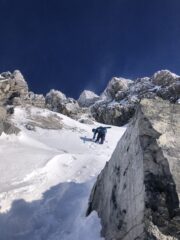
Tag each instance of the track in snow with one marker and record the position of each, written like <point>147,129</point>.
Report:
<point>47,178</point>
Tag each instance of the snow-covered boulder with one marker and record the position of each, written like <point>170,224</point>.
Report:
<point>87,98</point>
<point>137,194</point>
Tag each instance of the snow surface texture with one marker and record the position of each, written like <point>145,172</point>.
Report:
<point>46,179</point>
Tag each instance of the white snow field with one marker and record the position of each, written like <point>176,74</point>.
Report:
<point>46,179</point>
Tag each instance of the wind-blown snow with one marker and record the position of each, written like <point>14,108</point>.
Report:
<point>46,179</point>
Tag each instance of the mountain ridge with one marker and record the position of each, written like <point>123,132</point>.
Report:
<point>115,105</point>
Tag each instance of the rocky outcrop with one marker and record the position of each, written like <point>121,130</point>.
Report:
<point>115,113</point>
<point>115,86</point>
<point>14,91</point>
<point>5,125</point>
<point>116,105</point>
<point>121,97</point>
<point>87,98</point>
<point>12,86</point>
<point>49,121</point>
<point>69,108</point>
<point>164,78</point>
<point>137,193</point>
<point>54,98</point>
<point>37,100</point>
<point>58,102</point>
<point>118,102</point>
<point>2,119</point>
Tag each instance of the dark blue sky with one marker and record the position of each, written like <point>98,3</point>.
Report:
<point>72,45</point>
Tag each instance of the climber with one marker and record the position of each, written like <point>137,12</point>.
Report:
<point>101,134</point>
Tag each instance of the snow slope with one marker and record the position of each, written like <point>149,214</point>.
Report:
<point>46,179</point>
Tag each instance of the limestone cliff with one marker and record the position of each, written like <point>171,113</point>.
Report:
<point>137,193</point>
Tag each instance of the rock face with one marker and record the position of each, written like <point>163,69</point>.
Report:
<point>12,86</point>
<point>37,100</point>
<point>14,91</point>
<point>118,102</point>
<point>54,98</point>
<point>5,125</point>
<point>58,102</point>
<point>115,86</point>
<point>137,193</point>
<point>164,78</point>
<point>87,98</point>
<point>2,119</point>
<point>115,113</point>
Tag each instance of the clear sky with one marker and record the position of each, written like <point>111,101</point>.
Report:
<point>72,45</point>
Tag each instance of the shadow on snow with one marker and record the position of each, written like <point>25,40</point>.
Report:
<point>60,214</point>
<point>86,139</point>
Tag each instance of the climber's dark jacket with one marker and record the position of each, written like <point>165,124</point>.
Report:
<point>101,133</point>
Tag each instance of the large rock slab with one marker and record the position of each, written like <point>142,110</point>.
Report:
<point>137,193</point>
